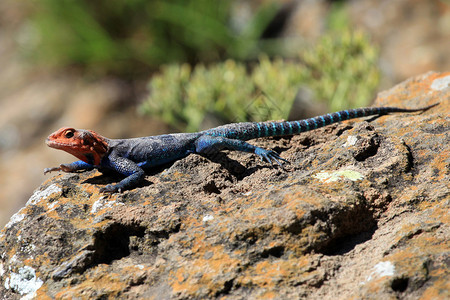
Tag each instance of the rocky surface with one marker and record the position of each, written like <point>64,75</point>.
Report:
<point>360,212</point>
<point>413,37</point>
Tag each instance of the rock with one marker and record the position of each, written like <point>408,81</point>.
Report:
<point>361,211</point>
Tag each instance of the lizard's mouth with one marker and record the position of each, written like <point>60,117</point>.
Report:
<point>58,145</point>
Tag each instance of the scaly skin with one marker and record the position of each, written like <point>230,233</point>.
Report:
<point>130,157</point>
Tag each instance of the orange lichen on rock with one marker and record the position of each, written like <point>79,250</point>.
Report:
<point>361,212</point>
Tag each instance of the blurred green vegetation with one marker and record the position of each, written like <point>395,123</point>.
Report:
<point>211,60</point>
<point>343,69</point>
<point>183,96</point>
<point>128,37</point>
<point>340,69</point>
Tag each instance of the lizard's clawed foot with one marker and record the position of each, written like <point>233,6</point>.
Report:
<point>48,170</point>
<point>62,167</point>
<point>110,189</point>
<point>269,155</point>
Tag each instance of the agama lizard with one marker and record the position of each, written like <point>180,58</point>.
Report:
<point>130,157</point>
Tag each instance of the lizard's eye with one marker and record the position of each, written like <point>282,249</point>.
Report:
<point>69,134</point>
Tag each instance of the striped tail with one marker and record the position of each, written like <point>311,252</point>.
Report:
<point>252,130</point>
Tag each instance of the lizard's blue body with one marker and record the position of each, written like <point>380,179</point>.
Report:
<point>130,157</point>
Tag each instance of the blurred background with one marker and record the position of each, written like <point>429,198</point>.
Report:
<point>146,67</point>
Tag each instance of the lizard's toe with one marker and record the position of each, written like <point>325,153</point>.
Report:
<point>269,155</point>
<point>276,157</point>
<point>49,170</point>
<point>110,188</point>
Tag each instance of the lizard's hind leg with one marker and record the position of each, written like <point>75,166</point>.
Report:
<point>207,144</point>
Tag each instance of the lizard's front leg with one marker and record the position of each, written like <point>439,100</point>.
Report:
<point>134,174</point>
<point>73,167</point>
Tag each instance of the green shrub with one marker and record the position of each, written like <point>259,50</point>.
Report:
<point>341,70</point>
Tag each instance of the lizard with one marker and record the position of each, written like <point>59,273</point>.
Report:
<point>131,157</point>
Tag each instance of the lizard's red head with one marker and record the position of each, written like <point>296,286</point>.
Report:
<point>84,144</point>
